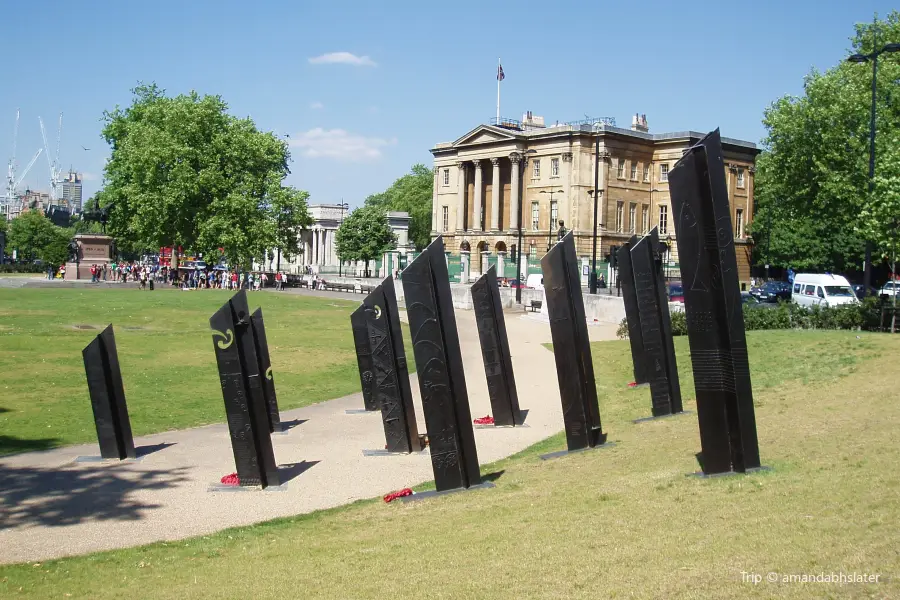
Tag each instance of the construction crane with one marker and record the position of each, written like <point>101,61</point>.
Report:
<point>28,168</point>
<point>11,172</point>
<point>53,163</point>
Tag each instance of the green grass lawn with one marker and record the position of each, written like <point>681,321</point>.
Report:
<point>166,356</point>
<point>621,522</point>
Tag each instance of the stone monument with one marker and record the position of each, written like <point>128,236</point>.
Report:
<point>571,346</point>
<point>661,369</point>
<point>713,309</point>
<point>242,390</point>
<point>90,249</point>
<point>498,369</point>
<point>104,378</point>
<point>442,380</point>
<point>382,365</point>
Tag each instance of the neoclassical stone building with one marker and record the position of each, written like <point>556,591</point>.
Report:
<point>476,199</point>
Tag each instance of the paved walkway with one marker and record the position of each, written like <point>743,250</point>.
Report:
<point>52,506</point>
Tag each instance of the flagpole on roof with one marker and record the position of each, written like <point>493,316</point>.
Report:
<point>499,70</point>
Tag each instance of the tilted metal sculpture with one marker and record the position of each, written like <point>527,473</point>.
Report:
<point>104,379</point>
<point>265,368</point>
<point>242,390</point>
<point>713,309</point>
<point>656,325</point>
<point>571,347</point>
<point>632,313</point>
<point>445,400</point>
<point>379,349</point>
<point>498,369</point>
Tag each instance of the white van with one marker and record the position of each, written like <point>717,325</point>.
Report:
<point>826,290</point>
<point>535,281</point>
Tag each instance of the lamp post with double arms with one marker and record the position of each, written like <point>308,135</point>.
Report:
<point>521,165</point>
<point>550,217</point>
<point>344,207</point>
<point>861,58</point>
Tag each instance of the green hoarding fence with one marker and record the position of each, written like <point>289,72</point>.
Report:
<point>454,267</point>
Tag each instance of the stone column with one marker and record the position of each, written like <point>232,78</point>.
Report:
<point>495,195</point>
<point>476,213</point>
<point>461,197</point>
<point>318,250</point>
<point>514,159</point>
<point>501,263</point>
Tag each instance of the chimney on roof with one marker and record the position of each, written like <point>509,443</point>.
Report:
<point>639,123</point>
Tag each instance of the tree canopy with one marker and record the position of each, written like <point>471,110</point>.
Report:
<point>183,172</point>
<point>813,208</point>
<point>34,236</point>
<point>411,193</point>
<point>364,235</point>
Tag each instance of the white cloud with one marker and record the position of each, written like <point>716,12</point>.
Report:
<point>342,58</point>
<point>316,105</point>
<point>90,176</point>
<point>340,145</point>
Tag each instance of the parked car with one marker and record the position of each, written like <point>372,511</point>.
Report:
<point>772,291</point>
<point>827,290</point>
<point>859,289</point>
<point>676,292</point>
<point>889,289</point>
<point>750,301</point>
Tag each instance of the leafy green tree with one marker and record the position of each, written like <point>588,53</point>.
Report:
<point>411,193</point>
<point>813,208</point>
<point>34,236</point>
<point>183,172</point>
<point>364,235</point>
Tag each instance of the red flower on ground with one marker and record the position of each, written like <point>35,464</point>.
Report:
<point>231,479</point>
<point>394,495</point>
<point>485,420</point>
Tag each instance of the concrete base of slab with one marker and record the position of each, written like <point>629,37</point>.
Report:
<point>389,453</point>
<point>644,419</point>
<point>434,493</point>
<point>107,461</point>
<point>702,475</point>
<point>562,453</point>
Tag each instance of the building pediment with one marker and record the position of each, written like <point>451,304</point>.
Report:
<point>485,134</point>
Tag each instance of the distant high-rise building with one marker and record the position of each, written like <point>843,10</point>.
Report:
<point>71,191</point>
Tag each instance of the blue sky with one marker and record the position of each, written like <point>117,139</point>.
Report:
<point>398,77</point>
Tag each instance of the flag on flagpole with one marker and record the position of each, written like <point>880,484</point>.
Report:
<point>500,75</point>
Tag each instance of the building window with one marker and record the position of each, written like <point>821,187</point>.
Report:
<point>739,223</point>
<point>620,215</point>
<point>620,169</point>
<point>446,176</point>
<point>536,169</point>
<point>664,172</point>
<point>634,170</point>
<point>445,217</point>
<point>663,219</point>
<point>645,219</point>
<point>554,214</point>
<point>646,172</point>
<point>554,167</point>
<point>535,216</point>
<point>632,217</point>
<point>740,178</point>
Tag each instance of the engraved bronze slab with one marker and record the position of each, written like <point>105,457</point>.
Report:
<point>379,348</point>
<point>265,367</point>
<point>571,346</point>
<point>245,405</point>
<point>104,379</point>
<point>445,400</point>
<point>632,314</point>
<point>498,369</point>
<point>656,327</point>
<point>713,309</point>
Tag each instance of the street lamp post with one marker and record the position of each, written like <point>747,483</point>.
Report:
<point>550,217</point>
<point>861,58</point>
<point>522,166</point>
<point>344,206</point>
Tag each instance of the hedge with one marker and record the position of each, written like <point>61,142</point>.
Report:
<point>788,315</point>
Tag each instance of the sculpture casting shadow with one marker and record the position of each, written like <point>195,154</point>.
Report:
<point>67,496</point>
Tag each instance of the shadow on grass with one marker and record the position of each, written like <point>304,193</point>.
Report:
<point>493,476</point>
<point>65,496</point>
<point>14,445</point>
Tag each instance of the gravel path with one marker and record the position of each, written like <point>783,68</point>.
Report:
<point>52,506</point>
